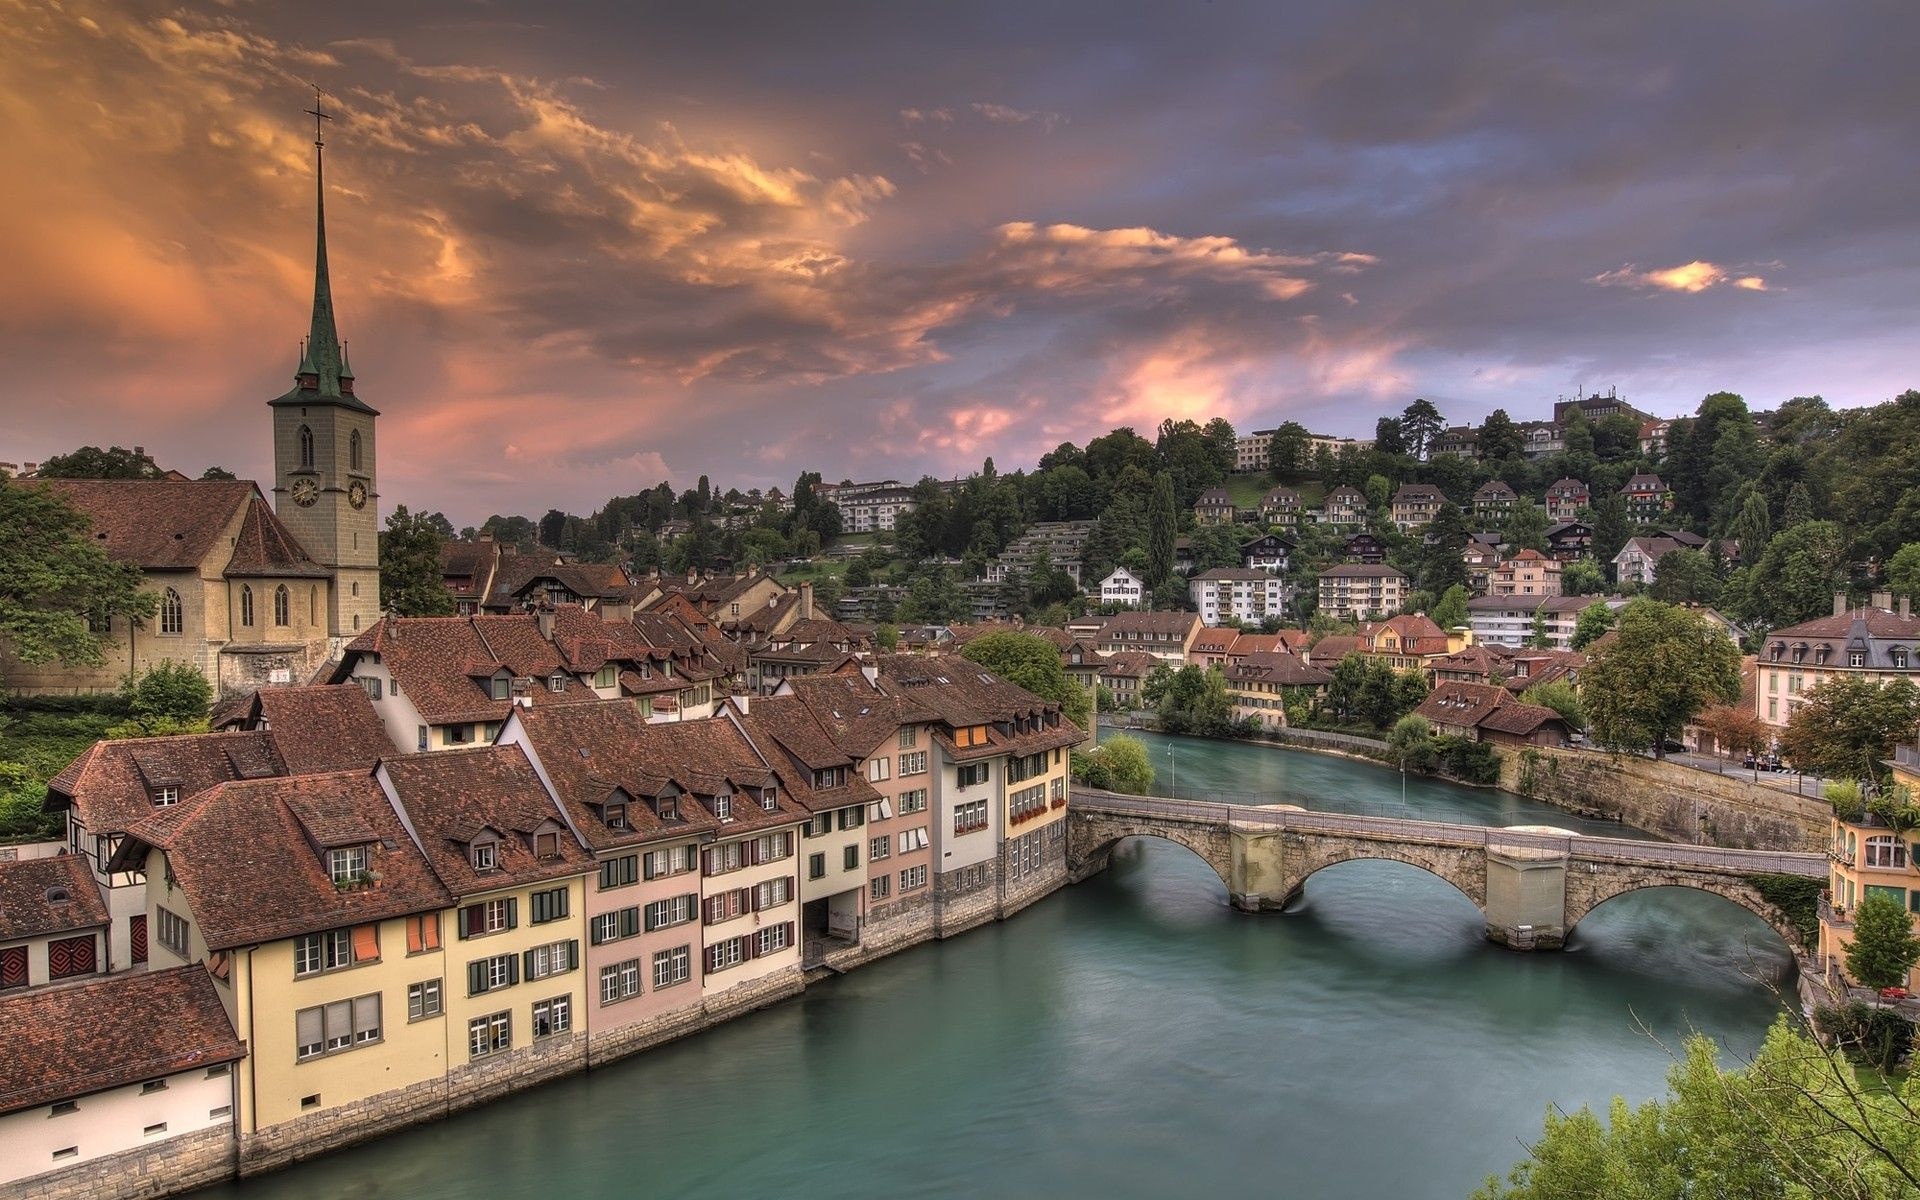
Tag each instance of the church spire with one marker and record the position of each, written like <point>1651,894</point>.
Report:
<point>323,339</point>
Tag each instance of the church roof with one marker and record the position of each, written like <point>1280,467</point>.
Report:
<point>265,547</point>
<point>323,376</point>
<point>160,524</point>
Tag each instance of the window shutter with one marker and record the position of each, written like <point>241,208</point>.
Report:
<point>789,933</point>
<point>526,958</point>
<point>339,1019</point>
<point>416,935</point>
<point>594,932</point>
<point>707,862</point>
<point>306,1027</point>
<point>573,954</point>
<point>464,924</point>
<point>749,947</point>
<point>693,857</point>
<point>648,871</point>
<point>366,943</point>
<point>476,978</point>
<point>366,1014</point>
<point>513,970</point>
<point>513,912</point>
<point>630,920</point>
<point>430,925</point>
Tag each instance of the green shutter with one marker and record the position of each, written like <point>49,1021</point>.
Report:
<point>526,958</point>
<point>573,955</point>
<point>476,977</point>
<point>513,912</point>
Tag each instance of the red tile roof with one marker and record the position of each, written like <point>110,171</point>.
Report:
<point>111,785</point>
<point>159,524</point>
<point>250,857</point>
<point>451,795</point>
<point>70,1041</point>
<point>325,727</point>
<point>44,896</point>
<point>265,547</point>
<point>1287,670</point>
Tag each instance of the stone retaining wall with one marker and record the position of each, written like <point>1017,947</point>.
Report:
<point>1674,801</point>
<point>164,1168</point>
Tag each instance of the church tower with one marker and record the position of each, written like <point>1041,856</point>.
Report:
<point>324,482</point>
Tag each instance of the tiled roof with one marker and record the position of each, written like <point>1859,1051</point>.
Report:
<point>596,581</point>
<point>250,857</point>
<point>1173,623</point>
<point>159,524</point>
<point>1279,496</point>
<point>70,1041</point>
<point>1417,491</point>
<point>1130,664</point>
<point>1644,482</point>
<point>1214,640</point>
<point>960,692</point>
<point>1232,574</point>
<point>1334,647</point>
<point>1521,719</point>
<point>444,664</point>
<point>1290,640</point>
<point>1213,497</point>
<point>451,794</point>
<point>111,784</point>
<point>265,547</point>
<point>1464,704</point>
<point>325,727</point>
<point>42,896</point>
<point>1288,670</point>
<point>1495,489</point>
<point>1486,661</point>
<point>785,732</point>
<point>467,567</point>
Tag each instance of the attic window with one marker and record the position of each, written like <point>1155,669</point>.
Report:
<point>347,865</point>
<point>1777,649</point>
<point>769,799</point>
<point>723,806</point>
<point>484,856</point>
<point>58,895</point>
<point>498,687</point>
<point>163,796</point>
<point>1899,657</point>
<point>546,845</point>
<point>616,816</point>
<point>669,807</point>
<point>556,683</point>
<point>1857,658</point>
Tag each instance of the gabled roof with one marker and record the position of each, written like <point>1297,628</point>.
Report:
<point>444,664</point>
<point>1495,489</point>
<point>323,727</point>
<point>160,524</point>
<point>1567,485</point>
<point>1130,664</point>
<point>1279,496</point>
<point>1213,497</point>
<point>1165,623</point>
<point>1453,702</point>
<point>1417,491</point>
<point>111,784</point>
<point>1644,482</point>
<point>1361,571</point>
<point>265,547</point>
<point>1277,667</point>
<point>249,857</point>
<point>44,896</point>
<point>450,795</point>
<point>1334,647</point>
<point>1214,640</point>
<point>784,731</point>
<point>71,1041</point>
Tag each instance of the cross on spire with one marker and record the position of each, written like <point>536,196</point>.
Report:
<point>319,114</point>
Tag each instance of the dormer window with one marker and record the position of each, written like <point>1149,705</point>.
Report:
<point>723,806</point>
<point>1856,658</point>
<point>347,865</point>
<point>769,799</point>
<point>163,796</point>
<point>1820,655</point>
<point>669,808</point>
<point>616,816</point>
<point>499,687</point>
<point>546,845</point>
<point>556,683</point>
<point>1777,650</point>
<point>485,856</point>
<point>1899,657</point>
<point>1799,654</point>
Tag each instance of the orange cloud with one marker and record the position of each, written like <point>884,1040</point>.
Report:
<point>1696,276</point>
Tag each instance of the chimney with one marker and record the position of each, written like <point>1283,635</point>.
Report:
<point>545,619</point>
<point>806,600</point>
<point>485,538</point>
<point>1883,600</point>
<point>743,702</point>
<point>1906,606</point>
<point>1839,604</point>
<point>692,576</point>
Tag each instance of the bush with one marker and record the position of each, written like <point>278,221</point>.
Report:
<point>1876,1037</point>
<point>21,792</point>
<point>170,691</point>
<point>1471,762</point>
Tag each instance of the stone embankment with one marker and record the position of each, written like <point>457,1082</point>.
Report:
<point>1674,801</point>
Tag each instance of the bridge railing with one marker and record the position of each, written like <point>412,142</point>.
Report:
<point>1578,847</point>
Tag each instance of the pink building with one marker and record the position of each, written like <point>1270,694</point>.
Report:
<point>1528,573</point>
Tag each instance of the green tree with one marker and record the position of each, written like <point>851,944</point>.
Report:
<point>1884,948</point>
<point>1752,526</point>
<point>1196,701</point>
<point>1538,638</point>
<point>1794,581</point>
<point>410,579</point>
<point>1500,438</point>
<point>1526,527</point>
<point>1119,764</point>
<point>1799,507</point>
<point>217,473</point>
<point>1798,1123</point>
<point>1032,662</point>
<point>1163,521</point>
<point>23,792</point>
<point>1450,611</point>
<point>1583,578</point>
<point>170,697</point>
<point>887,637</point>
<point>1443,563</point>
<point>1686,576</point>
<point>1421,425</point>
<point>1665,665</point>
<point>1594,621</point>
<point>91,462</point>
<point>1560,696</point>
<point>57,584</point>
<point>1903,570</point>
<point>1845,727</point>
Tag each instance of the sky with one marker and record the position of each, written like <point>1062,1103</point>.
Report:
<point>578,248</point>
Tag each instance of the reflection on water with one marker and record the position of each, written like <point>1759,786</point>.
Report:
<point>1131,1037</point>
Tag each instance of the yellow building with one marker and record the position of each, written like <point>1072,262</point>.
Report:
<point>1868,858</point>
<point>321,925</point>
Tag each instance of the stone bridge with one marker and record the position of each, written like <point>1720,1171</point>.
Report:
<point>1532,886</point>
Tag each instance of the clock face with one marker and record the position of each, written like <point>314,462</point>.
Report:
<point>305,492</point>
<point>357,494</point>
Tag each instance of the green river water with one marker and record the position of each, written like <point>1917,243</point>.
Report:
<point>1135,1037</point>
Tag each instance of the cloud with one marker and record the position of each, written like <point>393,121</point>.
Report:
<point>1696,276</point>
<point>1001,114</point>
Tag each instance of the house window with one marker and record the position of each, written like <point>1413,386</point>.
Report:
<point>549,905</point>
<point>282,607</point>
<point>170,930</point>
<point>969,817</point>
<point>491,974</point>
<point>1856,658</point>
<point>246,605</point>
<point>1886,852</point>
<point>850,857</point>
<point>371,686</point>
<point>879,768</point>
<point>773,938</point>
<point>498,687</point>
<point>488,916</point>
<point>164,796</point>
<point>485,856</point>
<point>619,872</point>
<point>555,958</point>
<point>914,764</point>
<point>914,801</point>
<point>880,887</point>
<point>604,677</point>
<point>423,1000</point>
<point>1899,660</point>
<point>348,865</point>
<point>341,1025</point>
<point>769,799</point>
<point>620,981</point>
<point>910,737</point>
<point>306,448</point>
<point>422,737</point>
<point>546,845</point>
<point>671,967</point>
<point>675,910</point>
<point>853,818</point>
<point>723,806</point>
<point>913,878</point>
<point>336,948</point>
<point>972,773</point>
<point>879,848</point>
<point>489,1034</point>
<point>669,808</point>
<point>173,617</point>
<point>616,816</point>
<point>556,683</point>
<point>552,1016</point>
<point>612,926</point>
<point>816,866</point>
<point>458,735</point>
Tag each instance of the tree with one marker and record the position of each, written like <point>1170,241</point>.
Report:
<point>1450,611</point>
<point>410,580</point>
<point>1752,526</point>
<point>57,584</point>
<point>1538,638</point>
<point>1032,662</point>
<point>1192,700</point>
<point>1798,1122</point>
<point>1162,522</point>
<point>1594,621</point>
<point>91,462</point>
<point>1665,665</point>
<point>1119,764</point>
<point>1686,576</point>
<point>1845,726</point>
<point>1526,527</point>
<point>887,637</point>
<point>1288,451</point>
<point>1883,948</point>
<point>1561,697</point>
<point>1443,563</point>
<point>1421,425</point>
<point>1583,578</point>
<point>1500,438</point>
<point>217,473</point>
<point>1735,729</point>
<point>1794,581</point>
<point>1388,437</point>
<point>169,694</point>
<point>1903,570</point>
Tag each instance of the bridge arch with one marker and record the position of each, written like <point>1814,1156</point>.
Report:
<point>1462,868</point>
<point>1586,892</point>
<point>1091,840</point>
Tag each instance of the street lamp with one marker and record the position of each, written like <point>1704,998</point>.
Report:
<point>1173,779</point>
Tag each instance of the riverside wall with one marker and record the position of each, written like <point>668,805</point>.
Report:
<point>1677,802</point>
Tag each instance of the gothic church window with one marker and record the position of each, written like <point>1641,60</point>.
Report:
<point>282,614</point>
<point>246,605</point>
<point>173,617</point>
<point>306,448</point>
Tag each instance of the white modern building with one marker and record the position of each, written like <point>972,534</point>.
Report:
<point>1239,594</point>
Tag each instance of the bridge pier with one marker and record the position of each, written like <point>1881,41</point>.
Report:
<point>1526,897</point>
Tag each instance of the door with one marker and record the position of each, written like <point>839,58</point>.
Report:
<point>68,957</point>
<point>137,928</point>
<point>13,967</point>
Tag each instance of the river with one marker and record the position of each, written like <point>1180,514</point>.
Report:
<point>1134,1036</point>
